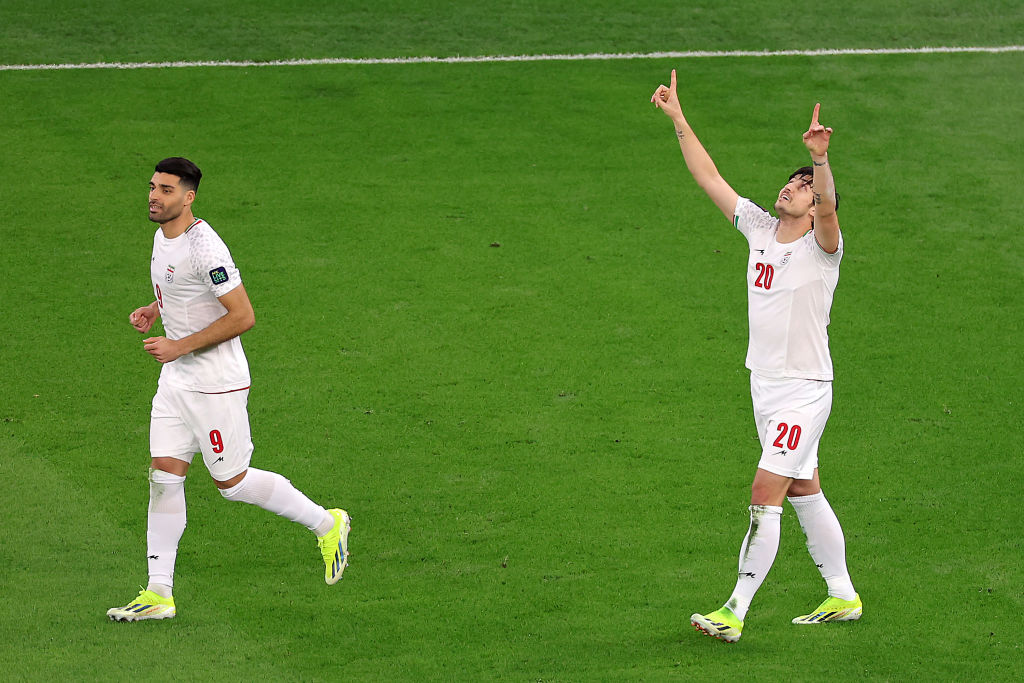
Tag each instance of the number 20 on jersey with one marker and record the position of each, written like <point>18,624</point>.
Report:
<point>765,275</point>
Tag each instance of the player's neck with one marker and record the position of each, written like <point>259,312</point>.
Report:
<point>178,226</point>
<point>792,228</point>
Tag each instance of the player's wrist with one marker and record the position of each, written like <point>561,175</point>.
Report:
<point>820,159</point>
<point>182,346</point>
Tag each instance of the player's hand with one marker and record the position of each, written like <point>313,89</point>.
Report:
<point>666,99</point>
<point>817,136</point>
<point>163,349</point>
<point>143,318</point>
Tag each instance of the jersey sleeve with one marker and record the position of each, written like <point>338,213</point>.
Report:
<point>750,218</point>
<point>212,261</point>
<point>827,260</point>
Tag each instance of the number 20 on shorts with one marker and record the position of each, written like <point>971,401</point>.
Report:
<point>789,436</point>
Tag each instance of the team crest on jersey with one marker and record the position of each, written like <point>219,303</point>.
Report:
<point>785,258</point>
<point>169,275</point>
<point>219,275</point>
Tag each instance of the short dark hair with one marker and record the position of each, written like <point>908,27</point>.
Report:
<point>809,170</point>
<point>183,168</point>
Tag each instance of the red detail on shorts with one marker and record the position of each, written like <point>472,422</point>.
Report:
<point>215,393</point>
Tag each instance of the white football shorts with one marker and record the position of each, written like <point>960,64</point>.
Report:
<point>184,423</point>
<point>790,415</point>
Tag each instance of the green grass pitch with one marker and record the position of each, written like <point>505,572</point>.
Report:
<point>498,322</point>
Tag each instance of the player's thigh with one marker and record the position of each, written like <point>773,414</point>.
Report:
<point>805,487</point>
<point>220,423</point>
<point>170,435</point>
<point>794,418</point>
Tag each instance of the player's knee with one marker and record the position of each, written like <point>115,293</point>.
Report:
<point>255,487</point>
<point>234,492</point>
<point>166,492</point>
<point>169,465</point>
<point>162,478</point>
<point>767,492</point>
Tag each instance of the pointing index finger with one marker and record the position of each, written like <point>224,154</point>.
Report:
<point>672,83</point>
<point>814,117</point>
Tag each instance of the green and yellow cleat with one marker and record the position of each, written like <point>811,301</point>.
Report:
<point>334,546</point>
<point>833,609</point>
<point>148,605</point>
<point>721,624</point>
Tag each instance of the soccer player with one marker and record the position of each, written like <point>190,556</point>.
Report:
<point>200,402</point>
<point>792,272</point>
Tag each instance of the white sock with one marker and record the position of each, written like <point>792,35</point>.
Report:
<point>165,525</point>
<point>825,542</point>
<point>161,589</point>
<point>273,492</point>
<point>757,555</point>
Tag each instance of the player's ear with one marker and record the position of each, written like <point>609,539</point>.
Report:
<point>190,196</point>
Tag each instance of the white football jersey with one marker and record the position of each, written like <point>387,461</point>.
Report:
<point>189,272</point>
<point>789,298</point>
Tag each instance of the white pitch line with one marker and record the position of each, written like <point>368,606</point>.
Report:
<point>594,56</point>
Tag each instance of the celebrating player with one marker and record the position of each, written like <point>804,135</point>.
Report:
<point>201,398</point>
<point>792,272</point>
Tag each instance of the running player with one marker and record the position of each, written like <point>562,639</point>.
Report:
<point>201,398</point>
<point>792,272</point>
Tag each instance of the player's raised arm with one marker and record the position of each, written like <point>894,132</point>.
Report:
<point>826,223</point>
<point>698,161</point>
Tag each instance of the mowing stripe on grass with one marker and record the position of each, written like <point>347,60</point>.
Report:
<point>595,56</point>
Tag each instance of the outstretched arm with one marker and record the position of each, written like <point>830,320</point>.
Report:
<point>826,223</point>
<point>698,161</point>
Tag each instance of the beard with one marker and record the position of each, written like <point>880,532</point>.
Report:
<point>164,215</point>
<point>786,207</point>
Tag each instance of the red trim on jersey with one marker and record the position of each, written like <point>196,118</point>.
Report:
<point>231,391</point>
<point>198,220</point>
